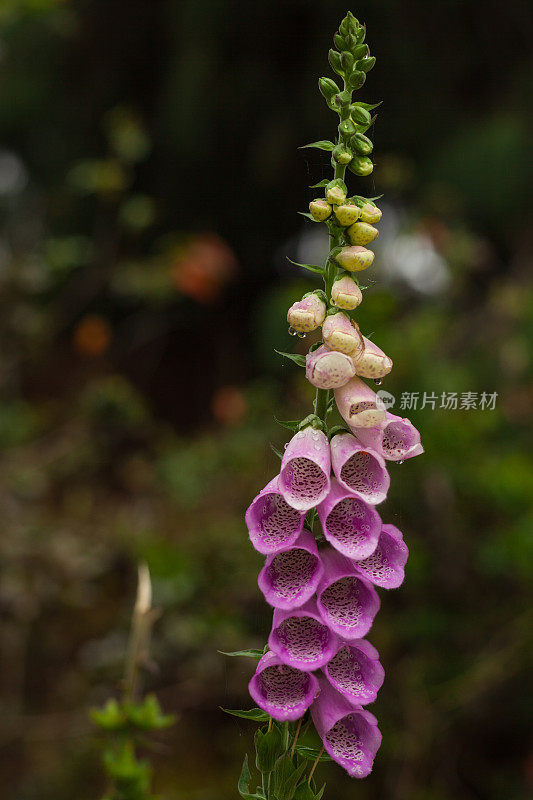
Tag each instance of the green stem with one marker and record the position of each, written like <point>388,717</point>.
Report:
<point>321,403</point>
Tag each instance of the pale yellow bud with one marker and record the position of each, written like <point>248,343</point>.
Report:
<point>355,258</point>
<point>346,294</point>
<point>319,210</point>
<point>347,213</point>
<point>362,233</point>
<point>342,334</point>
<point>335,195</point>
<point>370,213</point>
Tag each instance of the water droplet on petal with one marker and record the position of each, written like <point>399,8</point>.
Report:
<point>400,462</point>
<point>285,445</point>
<point>292,332</point>
<point>378,381</point>
<point>301,335</point>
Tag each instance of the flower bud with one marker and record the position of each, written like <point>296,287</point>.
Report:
<point>345,293</point>
<point>372,362</point>
<point>342,155</point>
<point>354,258</point>
<point>328,88</point>
<point>370,213</point>
<point>346,128</point>
<point>307,314</point>
<point>361,144</point>
<point>362,233</point>
<point>359,114</point>
<point>320,210</point>
<point>328,369</point>
<point>335,195</point>
<point>356,80</point>
<point>361,165</point>
<point>359,406</point>
<point>341,333</point>
<point>347,213</point>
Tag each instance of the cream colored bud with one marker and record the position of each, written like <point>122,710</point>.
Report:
<point>335,195</point>
<point>370,213</point>
<point>347,213</point>
<point>355,258</point>
<point>342,334</point>
<point>362,233</point>
<point>372,361</point>
<point>307,314</point>
<point>319,210</point>
<point>346,294</point>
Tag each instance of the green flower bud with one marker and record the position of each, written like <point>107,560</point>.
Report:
<point>343,99</point>
<point>349,42</point>
<point>339,42</point>
<point>361,165</point>
<point>356,80</point>
<point>360,114</point>
<point>361,144</point>
<point>347,61</point>
<point>342,155</point>
<point>328,88</point>
<point>370,213</point>
<point>349,24</point>
<point>367,64</point>
<point>362,233</point>
<point>346,128</point>
<point>335,195</point>
<point>360,52</point>
<point>319,209</point>
<point>347,214</point>
<point>334,59</point>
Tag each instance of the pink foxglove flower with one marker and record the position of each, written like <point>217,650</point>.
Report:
<point>290,577</point>
<point>385,567</point>
<point>272,522</point>
<point>358,469</point>
<point>347,603</point>
<point>283,692</point>
<point>305,469</point>
<point>349,733</point>
<point>328,369</point>
<point>355,672</point>
<point>307,314</point>
<point>359,406</point>
<point>341,334</point>
<point>349,524</point>
<point>301,638</point>
<point>372,362</point>
<point>394,438</point>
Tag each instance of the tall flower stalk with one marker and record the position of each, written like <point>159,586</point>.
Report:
<point>317,522</point>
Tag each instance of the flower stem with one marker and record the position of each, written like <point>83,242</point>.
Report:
<point>314,766</point>
<point>296,736</point>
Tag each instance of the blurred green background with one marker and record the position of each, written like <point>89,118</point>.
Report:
<point>149,179</point>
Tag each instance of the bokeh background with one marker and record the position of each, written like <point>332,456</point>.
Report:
<point>149,183</point>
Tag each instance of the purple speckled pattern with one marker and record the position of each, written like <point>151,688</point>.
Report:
<point>386,566</point>
<point>355,672</point>
<point>301,639</point>
<point>283,692</point>
<point>349,524</point>
<point>359,469</point>
<point>396,438</point>
<point>346,601</point>
<point>291,576</point>
<point>304,479</point>
<point>272,523</point>
<point>328,369</point>
<point>350,733</point>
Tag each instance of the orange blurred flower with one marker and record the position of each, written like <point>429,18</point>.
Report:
<point>229,405</point>
<point>92,336</point>
<point>202,267</point>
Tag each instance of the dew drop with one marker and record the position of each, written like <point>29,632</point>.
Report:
<point>292,332</point>
<point>301,335</point>
<point>400,462</point>
<point>378,381</point>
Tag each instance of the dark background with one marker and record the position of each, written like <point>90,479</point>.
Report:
<point>149,183</point>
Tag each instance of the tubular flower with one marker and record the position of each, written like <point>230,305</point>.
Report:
<point>385,567</point>
<point>359,470</point>
<point>272,523</point>
<point>349,524</point>
<point>349,733</point>
<point>370,214</point>
<point>307,314</point>
<point>372,362</point>
<point>355,672</point>
<point>290,577</point>
<point>359,406</point>
<point>346,294</point>
<point>355,258</point>
<point>394,438</point>
<point>328,369</point>
<point>320,210</point>
<point>346,602</point>
<point>341,334</point>
<point>283,692</point>
<point>301,639</point>
<point>304,479</point>
<point>362,233</point>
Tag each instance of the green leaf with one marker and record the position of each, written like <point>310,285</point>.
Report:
<point>311,753</point>
<point>147,716</point>
<point>310,267</point>
<point>287,777</point>
<point>254,714</point>
<point>244,781</point>
<point>250,653</point>
<point>307,215</point>
<point>369,106</point>
<point>296,357</point>
<point>320,184</point>
<point>304,792</point>
<point>110,718</point>
<point>364,128</point>
<point>291,424</point>
<point>321,792</point>
<point>276,451</point>
<point>268,746</point>
<point>323,144</point>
